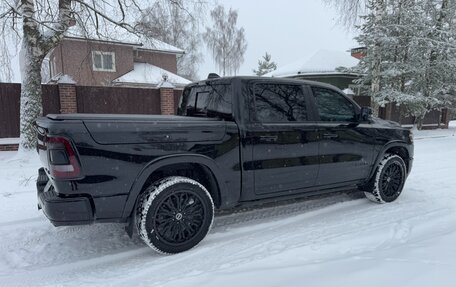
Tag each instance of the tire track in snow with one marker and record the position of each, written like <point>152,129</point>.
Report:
<point>26,221</point>
<point>38,231</point>
<point>37,235</point>
<point>256,244</point>
<point>240,238</point>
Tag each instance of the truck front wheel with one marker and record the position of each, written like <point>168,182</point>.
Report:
<point>174,214</point>
<point>388,180</point>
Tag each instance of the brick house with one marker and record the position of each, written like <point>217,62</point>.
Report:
<point>100,76</point>
<point>94,62</point>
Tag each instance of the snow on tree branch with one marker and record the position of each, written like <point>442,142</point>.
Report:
<point>411,47</point>
<point>42,24</point>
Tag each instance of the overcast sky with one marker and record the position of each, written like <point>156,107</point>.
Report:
<point>289,30</point>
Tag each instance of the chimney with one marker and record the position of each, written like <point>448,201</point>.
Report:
<point>359,52</point>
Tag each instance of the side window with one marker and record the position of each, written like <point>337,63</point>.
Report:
<point>333,107</point>
<point>213,100</point>
<point>279,103</point>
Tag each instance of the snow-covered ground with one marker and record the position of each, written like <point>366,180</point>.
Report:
<point>334,240</point>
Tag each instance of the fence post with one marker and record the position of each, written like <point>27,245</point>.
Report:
<point>67,95</point>
<point>166,98</point>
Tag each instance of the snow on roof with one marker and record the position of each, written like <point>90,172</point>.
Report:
<point>322,62</point>
<point>348,91</point>
<point>166,84</point>
<point>65,79</point>
<point>8,141</point>
<point>61,79</point>
<point>124,37</point>
<point>148,74</point>
<point>154,44</point>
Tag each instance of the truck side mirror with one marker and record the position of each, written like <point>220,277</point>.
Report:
<point>366,113</point>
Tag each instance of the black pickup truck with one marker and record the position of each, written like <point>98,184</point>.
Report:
<point>235,141</point>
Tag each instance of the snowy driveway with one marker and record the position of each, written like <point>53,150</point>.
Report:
<point>326,241</point>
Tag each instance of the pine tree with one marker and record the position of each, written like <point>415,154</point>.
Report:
<point>411,52</point>
<point>265,66</point>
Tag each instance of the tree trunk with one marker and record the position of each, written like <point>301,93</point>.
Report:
<point>31,103</point>
<point>419,123</point>
<point>379,10</point>
<point>35,46</point>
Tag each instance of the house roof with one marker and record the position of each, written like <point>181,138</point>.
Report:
<point>147,74</point>
<point>122,37</point>
<point>322,62</point>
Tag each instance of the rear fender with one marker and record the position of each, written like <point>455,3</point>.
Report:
<point>156,164</point>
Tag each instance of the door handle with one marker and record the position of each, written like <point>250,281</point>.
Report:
<point>268,138</point>
<point>330,136</point>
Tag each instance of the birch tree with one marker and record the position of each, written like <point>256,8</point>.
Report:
<point>6,72</point>
<point>177,23</point>
<point>41,25</point>
<point>226,42</point>
<point>349,11</point>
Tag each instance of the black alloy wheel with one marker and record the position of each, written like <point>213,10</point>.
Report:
<point>179,217</point>
<point>174,214</point>
<point>388,181</point>
<point>392,179</point>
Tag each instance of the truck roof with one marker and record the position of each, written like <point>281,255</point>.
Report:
<point>228,80</point>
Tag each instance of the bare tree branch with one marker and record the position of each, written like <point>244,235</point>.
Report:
<point>226,41</point>
<point>42,24</point>
<point>349,11</point>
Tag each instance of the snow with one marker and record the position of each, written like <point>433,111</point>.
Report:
<point>65,79</point>
<point>322,62</point>
<point>349,92</point>
<point>148,74</point>
<point>154,44</point>
<point>121,35</point>
<point>166,84</point>
<point>5,141</point>
<point>337,240</point>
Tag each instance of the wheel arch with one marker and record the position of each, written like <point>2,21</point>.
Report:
<point>399,148</point>
<point>198,167</point>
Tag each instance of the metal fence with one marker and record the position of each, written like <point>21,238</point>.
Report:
<point>10,106</point>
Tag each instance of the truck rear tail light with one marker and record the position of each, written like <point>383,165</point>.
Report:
<point>63,162</point>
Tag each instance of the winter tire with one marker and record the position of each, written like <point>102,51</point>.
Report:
<point>174,214</point>
<point>388,180</point>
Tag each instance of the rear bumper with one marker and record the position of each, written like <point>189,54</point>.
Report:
<point>62,210</point>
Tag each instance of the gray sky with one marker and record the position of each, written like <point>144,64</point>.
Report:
<point>289,30</point>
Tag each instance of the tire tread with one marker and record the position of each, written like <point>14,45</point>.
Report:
<point>149,195</point>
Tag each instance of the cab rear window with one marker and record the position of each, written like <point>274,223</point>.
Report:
<point>213,100</point>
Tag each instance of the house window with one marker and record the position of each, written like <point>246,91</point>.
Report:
<point>104,61</point>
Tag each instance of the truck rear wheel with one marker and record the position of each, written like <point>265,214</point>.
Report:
<point>174,214</point>
<point>388,180</point>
